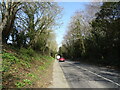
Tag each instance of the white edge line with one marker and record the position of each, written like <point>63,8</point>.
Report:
<point>98,75</point>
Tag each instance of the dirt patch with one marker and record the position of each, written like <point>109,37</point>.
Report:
<point>46,78</point>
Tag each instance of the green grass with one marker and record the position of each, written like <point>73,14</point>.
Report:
<point>17,64</point>
<point>8,60</point>
<point>19,84</point>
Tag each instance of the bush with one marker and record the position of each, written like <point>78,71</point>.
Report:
<point>29,51</point>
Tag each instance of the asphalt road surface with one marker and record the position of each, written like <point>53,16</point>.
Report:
<point>81,75</point>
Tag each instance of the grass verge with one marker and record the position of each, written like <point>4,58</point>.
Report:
<point>24,68</point>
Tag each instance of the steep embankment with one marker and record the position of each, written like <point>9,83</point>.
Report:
<point>25,68</point>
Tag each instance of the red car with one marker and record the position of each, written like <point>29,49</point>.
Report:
<point>61,59</point>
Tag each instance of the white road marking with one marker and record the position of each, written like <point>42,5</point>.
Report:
<point>98,75</point>
<point>110,73</point>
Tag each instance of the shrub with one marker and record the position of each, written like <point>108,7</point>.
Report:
<point>29,51</point>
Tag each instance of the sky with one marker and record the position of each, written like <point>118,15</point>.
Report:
<point>69,8</point>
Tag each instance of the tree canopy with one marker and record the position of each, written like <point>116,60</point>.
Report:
<point>96,39</point>
<point>30,24</point>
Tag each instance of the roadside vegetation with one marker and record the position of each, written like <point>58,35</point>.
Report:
<point>25,68</point>
<point>94,35</point>
<point>28,42</point>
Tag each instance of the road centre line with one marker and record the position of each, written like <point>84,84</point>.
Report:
<point>98,75</point>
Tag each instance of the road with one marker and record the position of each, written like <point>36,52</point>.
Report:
<point>59,80</point>
<point>81,75</point>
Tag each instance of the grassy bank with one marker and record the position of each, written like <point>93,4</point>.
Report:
<point>25,68</point>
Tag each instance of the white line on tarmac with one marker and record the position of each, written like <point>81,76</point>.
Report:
<point>98,75</point>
